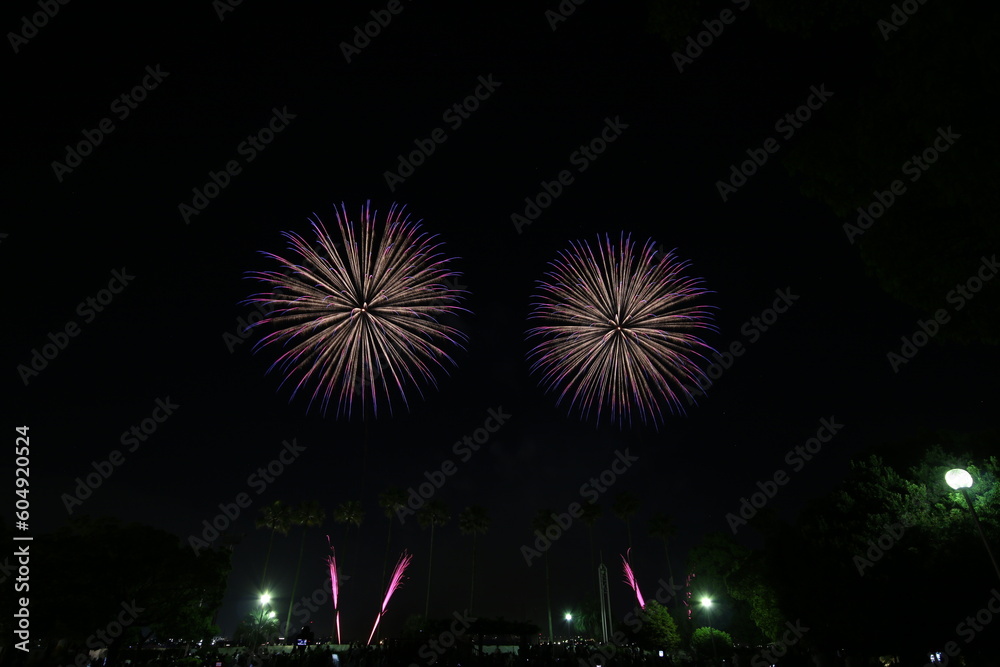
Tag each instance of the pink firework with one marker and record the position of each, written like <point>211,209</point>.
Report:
<point>619,331</point>
<point>394,583</point>
<point>334,586</point>
<point>631,580</point>
<point>362,316</point>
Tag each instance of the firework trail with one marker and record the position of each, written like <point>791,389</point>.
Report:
<point>361,316</point>
<point>618,331</point>
<point>394,583</point>
<point>631,581</point>
<point>334,586</point>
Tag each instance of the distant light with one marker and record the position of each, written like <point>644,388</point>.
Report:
<point>265,598</point>
<point>569,616</point>
<point>706,602</point>
<point>958,478</point>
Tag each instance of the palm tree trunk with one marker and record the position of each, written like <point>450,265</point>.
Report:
<point>593,565</point>
<point>472,585</point>
<point>295,584</point>
<point>670,571</point>
<point>548,597</point>
<point>430,564</point>
<point>385,561</point>
<point>267,559</point>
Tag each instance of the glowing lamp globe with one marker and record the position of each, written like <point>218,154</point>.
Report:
<point>958,479</point>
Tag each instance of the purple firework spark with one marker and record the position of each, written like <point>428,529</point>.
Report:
<point>617,333</point>
<point>361,317</point>
<point>631,581</point>
<point>334,586</point>
<point>394,583</point>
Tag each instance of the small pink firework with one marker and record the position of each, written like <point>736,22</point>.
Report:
<point>334,586</point>
<point>630,580</point>
<point>394,583</point>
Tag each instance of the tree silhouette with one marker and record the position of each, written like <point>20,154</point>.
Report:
<point>662,526</point>
<point>307,515</point>
<point>434,513</point>
<point>625,506</point>
<point>391,501</point>
<point>278,518</point>
<point>542,521</point>
<point>473,521</point>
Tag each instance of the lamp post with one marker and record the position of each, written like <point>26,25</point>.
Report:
<point>960,480</point>
<point>569,628</point>
<point>706,603</point>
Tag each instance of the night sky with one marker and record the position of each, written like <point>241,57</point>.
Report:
<point>164,335</point>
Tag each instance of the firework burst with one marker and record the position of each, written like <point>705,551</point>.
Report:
<point>395,582</point>
<point>361,319</point>
<point>618,333</point>
<point>631,580</point>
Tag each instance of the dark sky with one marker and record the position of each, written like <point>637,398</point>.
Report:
<point>162,336</point>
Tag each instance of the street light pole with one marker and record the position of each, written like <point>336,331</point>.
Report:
<point>707,604</point>
<point>961,480</point>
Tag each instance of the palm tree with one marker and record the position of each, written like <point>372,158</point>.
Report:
<point>434,513</point>
<point>542,520</point>
<point>590,513</point>
<point>277,517</point>
<point>661,525</point>
<point>391,501</point>
<point>473,521</point>
<point>349,513</point>
<point>625,507</point>
<point>308,515</point>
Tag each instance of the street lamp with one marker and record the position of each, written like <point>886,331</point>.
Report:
<point>961,480</point>
<point>569,620</point>
<point>706,603</point>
